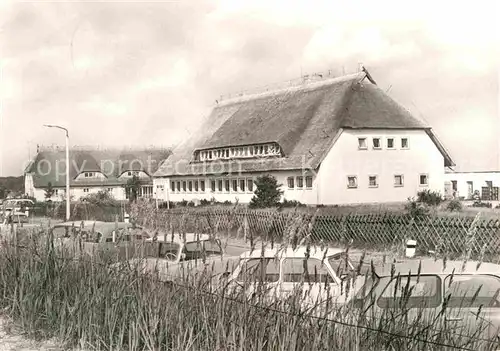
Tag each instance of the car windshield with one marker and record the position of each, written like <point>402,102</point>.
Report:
<point>164,250</point>
<point>198,249</point>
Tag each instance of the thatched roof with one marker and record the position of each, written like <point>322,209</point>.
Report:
<point>303,120</point>
<point>50,166</point>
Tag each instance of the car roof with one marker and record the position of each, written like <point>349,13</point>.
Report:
<point>104,227</point>
<point>179,238</point>
<point>432,266</point>
<point>300,251</point>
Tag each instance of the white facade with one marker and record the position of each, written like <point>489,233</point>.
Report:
<point>420,158</point>
<point>412,164</point>
<point>465,183</point>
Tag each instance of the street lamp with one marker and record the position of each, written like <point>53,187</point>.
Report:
<point>67,166</point>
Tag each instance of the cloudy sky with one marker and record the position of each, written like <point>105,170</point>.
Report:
<point>142,73</point>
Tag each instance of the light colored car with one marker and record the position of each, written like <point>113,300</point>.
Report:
<point>470,294</point>
<point>18,206</point>
<point>119,238</point>
<point>169,257</point>
<point>313,273</point>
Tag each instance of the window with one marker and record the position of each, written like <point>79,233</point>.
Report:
<point>226,183</point>
<point>172,186</point>
<point>352,182</point>
<point>423,179</point>
<point>110,190</point>
<point>297,270</point>
<point>300,182</point>
<point>212,185</point>
<point>184,186</point>
<point>56,192</point>
<point>260,270</point>
<point>362,143</point>
<point>190,186</point>
<point>413,291</point>
<point>250,185</point>
<point>235,185</point>
<point>472,291</point>
<point>404,143</point>
<point>242,184</point>
<point>390,143</point>
<point>202,185</point>
<point>398,180</point>
<point>85,190</point>
<point>179,186</point>
<point>291,184</point>
<point>219,185</point>
<point>309,182</point>
<point>196,185</point>
<point>376,143</point>
<point>372,181</point>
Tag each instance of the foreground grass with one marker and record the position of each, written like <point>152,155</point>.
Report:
<point>84,304</point>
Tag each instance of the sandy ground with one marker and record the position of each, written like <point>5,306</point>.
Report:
<point>12,339</point>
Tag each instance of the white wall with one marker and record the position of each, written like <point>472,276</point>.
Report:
<point>77,193</point>
<point>95,175</point>
<point>478,180</point>
<point>344,159</point>
<point>304,195</point>
<point>28,184</point>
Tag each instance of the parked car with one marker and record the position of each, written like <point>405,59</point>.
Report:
<point>316,274</point>
<point>466,297</point>
<point>169,257</point>
<point>118,238</point>
<point>18,206</point>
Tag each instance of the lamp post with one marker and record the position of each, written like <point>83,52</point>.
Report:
<point>67,167</point>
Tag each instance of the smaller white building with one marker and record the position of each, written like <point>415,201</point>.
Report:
<point>464,184</point>
<point>91,171</point>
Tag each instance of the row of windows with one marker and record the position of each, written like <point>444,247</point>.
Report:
<point>390,143</point>
<point>298,182</point>
<point>237,152</point>
<point>235,185</point>
<point>352,181</point>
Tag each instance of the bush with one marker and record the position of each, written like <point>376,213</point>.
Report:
<point>415,208</point>
<point>454,205</point>
<point>429,197</point>
<point>482,204</point>
<point>267,193</point>
<point>291,203</point>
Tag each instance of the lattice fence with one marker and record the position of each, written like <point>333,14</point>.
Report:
<point>443,234</point>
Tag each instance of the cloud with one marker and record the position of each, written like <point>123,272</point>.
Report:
<point>142,73</point>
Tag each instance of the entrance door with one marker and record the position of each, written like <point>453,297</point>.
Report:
<point>470,189</point>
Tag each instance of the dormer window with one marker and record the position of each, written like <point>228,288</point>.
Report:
<point>250,151</point>
<point>89,174</point>
<point>133,173</point>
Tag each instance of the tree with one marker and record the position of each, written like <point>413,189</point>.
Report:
<point>3,192</point>
<point>132,188</point>
<point>49,191</point>
<point>267,192</point>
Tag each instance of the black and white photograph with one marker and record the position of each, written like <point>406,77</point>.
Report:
<point>230,175</point>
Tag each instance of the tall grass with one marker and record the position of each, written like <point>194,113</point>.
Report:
<point>82,302</point>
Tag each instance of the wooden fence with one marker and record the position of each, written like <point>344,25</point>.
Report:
<point>450,235</point>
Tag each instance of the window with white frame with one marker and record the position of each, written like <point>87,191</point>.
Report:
<point>372,181</point>
<point>234,188</point>
<point>247,151</point>
<point>202,186</point>
<point>398,180</point>
<point>196,186</point>
<point>212,185</point>
<point>184,186</point>
<point>86,190</point>
<point>352,181</point>
<point>250,185</point>
<point>405,143</point>
<point>242,185</point>
<point>172,186</point>
<point>179,186</point>
<point>376,144</point>
<point>309,182</point>
<point>291,183</point>
<point>300,182</point>
<point>423,179</point>
<point>219,185</point>
<point>390,143</point>
<point>227,185</point>
<point>190,186</point>
<point>362,144</point>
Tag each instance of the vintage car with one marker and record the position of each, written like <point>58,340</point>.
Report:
<point>117,238</point>
<point>171,257</point>
<point>313,274</point>
<point>465,297</point>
